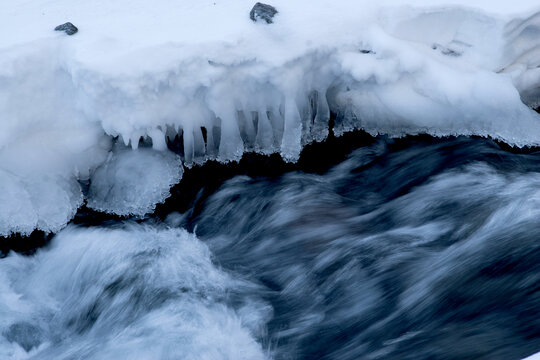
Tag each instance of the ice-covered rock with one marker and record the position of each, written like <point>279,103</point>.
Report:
<point>37,202</point>
<point>132,182</point>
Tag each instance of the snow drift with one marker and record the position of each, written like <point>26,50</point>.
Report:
<point>204,73</point>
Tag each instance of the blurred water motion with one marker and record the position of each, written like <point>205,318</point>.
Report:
<point>420,249</point>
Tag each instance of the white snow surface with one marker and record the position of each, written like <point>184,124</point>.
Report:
<point>156,69</point>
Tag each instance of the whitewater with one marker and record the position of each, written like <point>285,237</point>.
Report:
<point>350,180</point>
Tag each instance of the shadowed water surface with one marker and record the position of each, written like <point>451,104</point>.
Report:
<point>411,249</point>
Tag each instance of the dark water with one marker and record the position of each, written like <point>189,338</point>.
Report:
<point>418,248</point>
<point>410,250</point>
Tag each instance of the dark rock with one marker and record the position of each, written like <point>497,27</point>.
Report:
<point>263,11</point>
<point>450,52</point>
<point>68,27</point>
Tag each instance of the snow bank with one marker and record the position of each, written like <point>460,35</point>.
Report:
<point>203,71</point>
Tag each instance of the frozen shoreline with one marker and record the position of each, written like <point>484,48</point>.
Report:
<point>225,85</point>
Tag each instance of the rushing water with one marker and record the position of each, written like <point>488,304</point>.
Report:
<point>411,249</point>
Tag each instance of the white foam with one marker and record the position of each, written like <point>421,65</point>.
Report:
<point>137,292</point>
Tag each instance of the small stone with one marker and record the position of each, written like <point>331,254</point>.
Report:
<point>264,12</point>
<point>68,27</point>
<point>446,51</point>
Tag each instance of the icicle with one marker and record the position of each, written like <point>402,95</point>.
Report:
<point>188,144</point>
<point>134,138</point>
<point>307,108</point>
<point>231,146</point>
<point>125,140</point>
<point>158,139</point>
<point>247,129</point>
<point>292,132</point>
<point>211,149</point>
<point>277,123</point>
<point>322,117</point>
<point>264,138</point>
<point>198,145</point>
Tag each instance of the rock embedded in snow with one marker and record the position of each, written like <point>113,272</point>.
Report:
<point>446,51</point>
<point>264,12</point>
<point>68,27</point>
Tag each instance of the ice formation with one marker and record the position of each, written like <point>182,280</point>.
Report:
<point>132,182</point>
<point>203,71</point>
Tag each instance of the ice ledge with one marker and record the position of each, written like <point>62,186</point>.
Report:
<point>441,71</point>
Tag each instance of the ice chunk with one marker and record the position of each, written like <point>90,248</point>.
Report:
<point>38,202</point>
<point>132,182</point>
